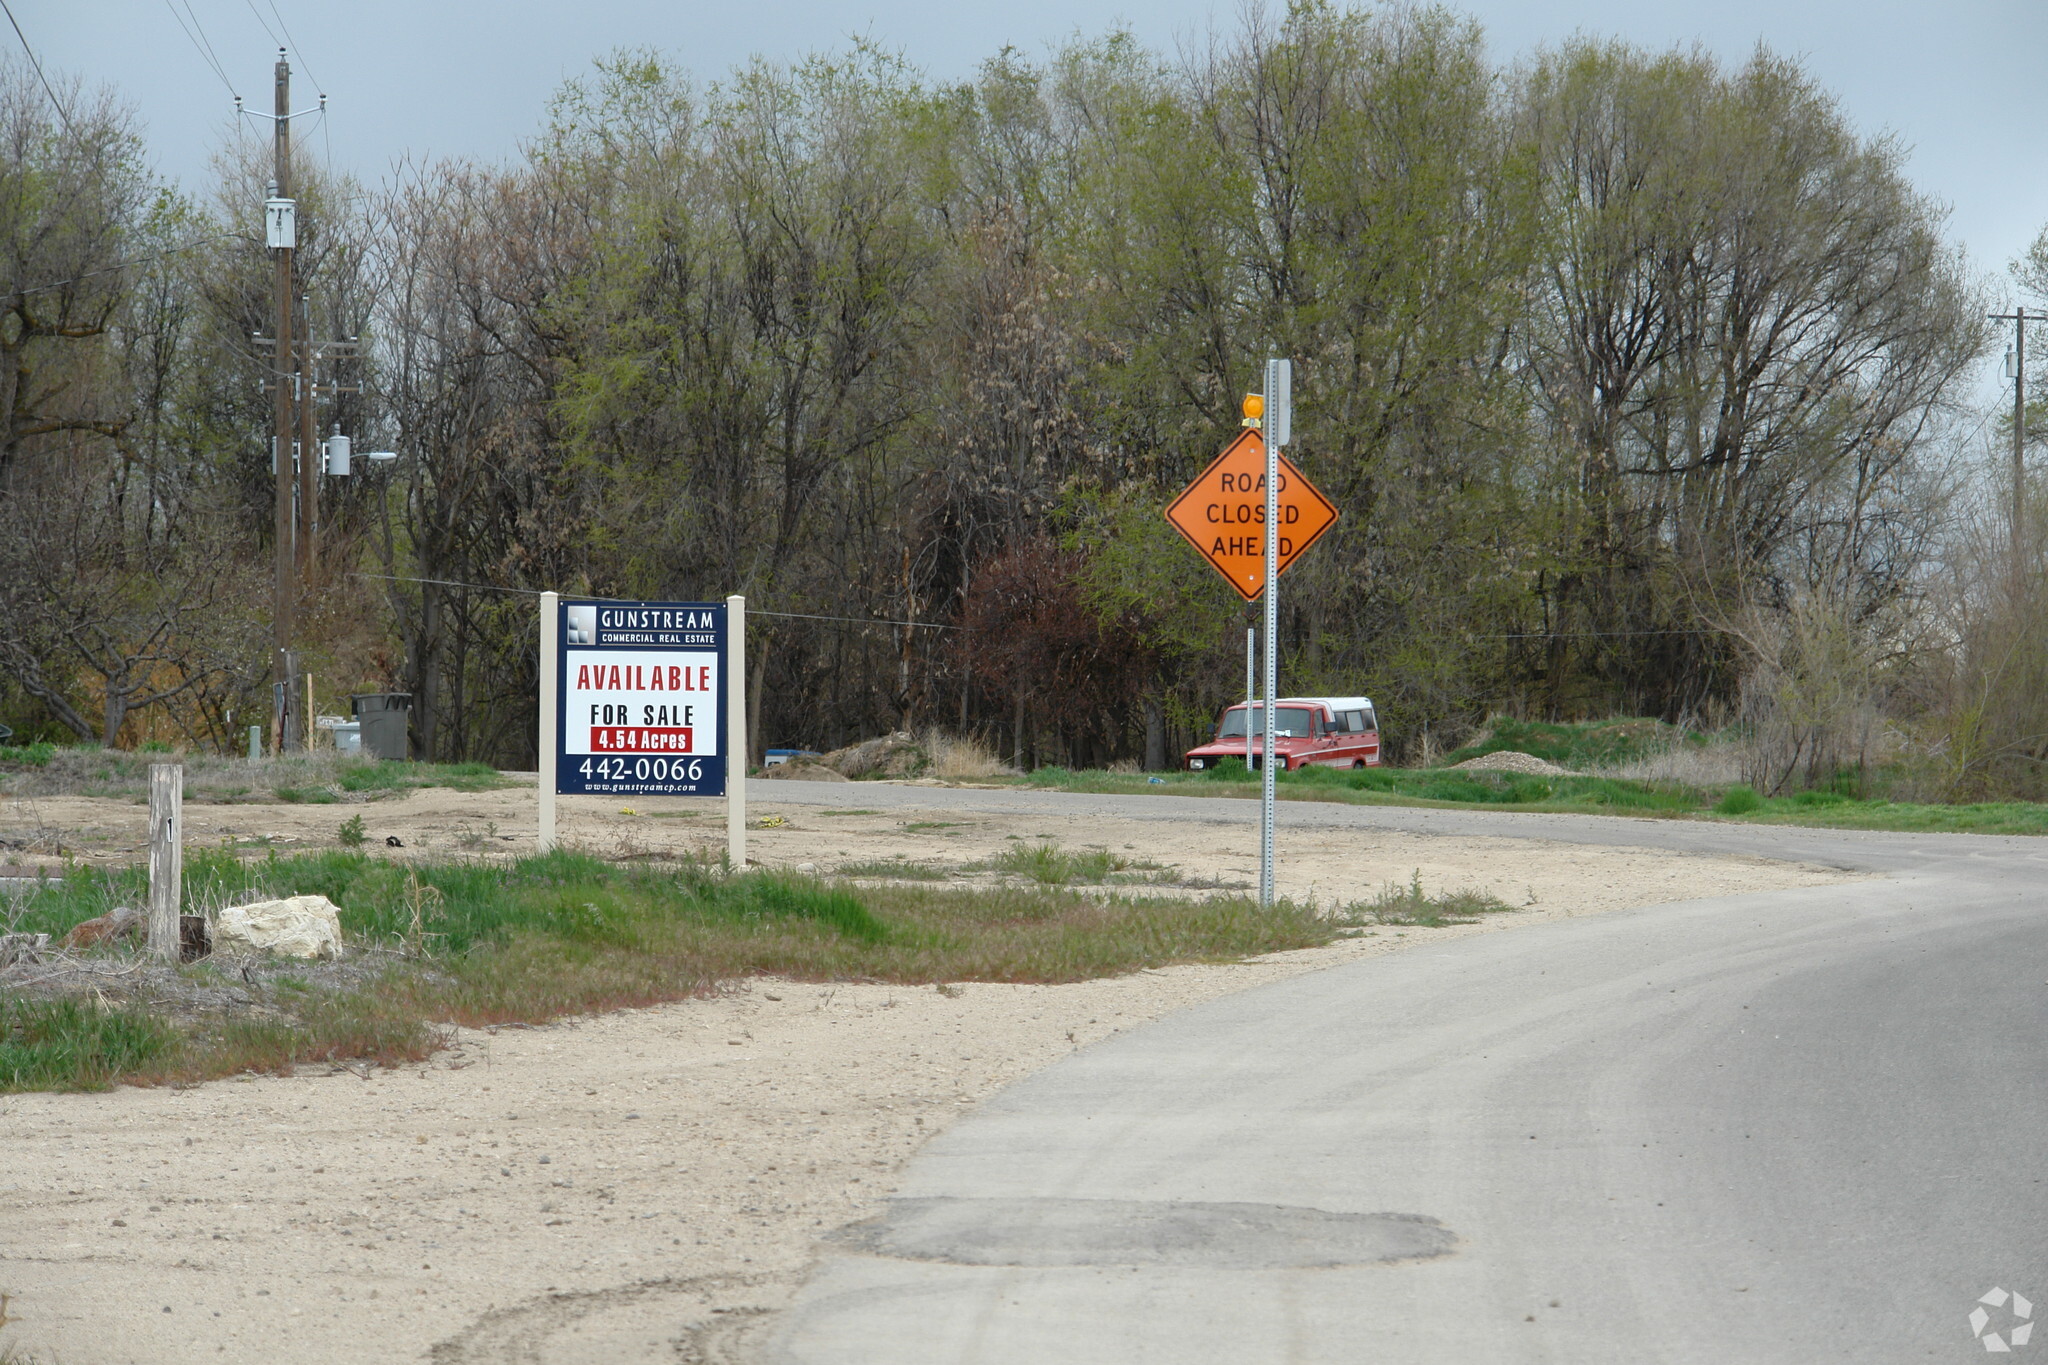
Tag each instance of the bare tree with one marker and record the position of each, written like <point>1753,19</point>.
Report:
<point>71,191</point>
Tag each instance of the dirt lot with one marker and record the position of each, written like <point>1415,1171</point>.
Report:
<point>637,1187</point>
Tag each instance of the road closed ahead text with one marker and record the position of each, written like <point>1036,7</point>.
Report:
<point>1223,514</point>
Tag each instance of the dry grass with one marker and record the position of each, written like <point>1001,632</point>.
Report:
<point>962,757</point>
<point>1720,762</point>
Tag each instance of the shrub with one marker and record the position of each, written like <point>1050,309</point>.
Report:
<point>1741,799</point>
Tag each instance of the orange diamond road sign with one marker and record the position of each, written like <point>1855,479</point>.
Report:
<point>1223,514</point>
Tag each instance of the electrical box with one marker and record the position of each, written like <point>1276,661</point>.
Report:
<point>280,223</point>
<point>337,455</point>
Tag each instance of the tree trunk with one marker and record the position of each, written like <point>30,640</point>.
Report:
<point>1155,736</point>
<point>754,688</point>
<point>116,712</point>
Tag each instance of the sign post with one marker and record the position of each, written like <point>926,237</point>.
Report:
<point>550,711</point>
<point>736,733</point>
<point>1279,417</point>
<point>631,702</point>
<point>1251,514</point>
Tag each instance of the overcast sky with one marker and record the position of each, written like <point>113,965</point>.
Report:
<point>1960,82</point>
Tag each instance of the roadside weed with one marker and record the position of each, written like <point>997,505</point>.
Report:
<point>1411,905</point>
<point>898,868</point>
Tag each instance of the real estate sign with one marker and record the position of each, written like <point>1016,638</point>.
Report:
<point>641,687</point>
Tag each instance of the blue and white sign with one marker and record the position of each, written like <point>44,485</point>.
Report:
<point>641,688</point>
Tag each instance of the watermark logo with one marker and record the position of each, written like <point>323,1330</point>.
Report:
<point>2017,1333</point>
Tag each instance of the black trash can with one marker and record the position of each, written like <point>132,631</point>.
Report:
<point>384,717</point>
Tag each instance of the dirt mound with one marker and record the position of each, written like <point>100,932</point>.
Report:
<point>897,755</point>
<point>1514,761</point>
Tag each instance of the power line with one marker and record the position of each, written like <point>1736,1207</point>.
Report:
<point>854,620</point>
<point>200,45</point>
<point>57,103</point>
<point>1590,634</point>
<point>218,65</point>
<point>263,21</point>
<point>121,265</point>
<point>477,587</point>
<point>751,611</point>
<point>317,82</point>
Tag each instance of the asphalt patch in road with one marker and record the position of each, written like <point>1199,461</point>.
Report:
<point>1131,1232</point>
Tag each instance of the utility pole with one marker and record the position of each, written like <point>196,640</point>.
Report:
<point>2016,371</point>
<point>282,239</point>
<point>310,464</point>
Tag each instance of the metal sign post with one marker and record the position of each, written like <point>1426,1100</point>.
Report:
<point>1279,422</point>
<point>550,711</point>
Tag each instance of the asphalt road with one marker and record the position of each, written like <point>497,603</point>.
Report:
<point>1799,1126</point>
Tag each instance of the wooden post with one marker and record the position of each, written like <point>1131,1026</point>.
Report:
<point>736,747</point>
<point>550,703</point>
<point>166,857</point>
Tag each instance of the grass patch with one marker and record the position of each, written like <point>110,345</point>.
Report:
<point>1411,905</point>
<point>47,770</point>
<point>1828,810</point>
<point>392,777</point>
<point>1049,865</point>
<point>1590,744</point>
<point>72,1045</point>
<point>900,869</point>
<point>1405,787</point>
<point>565,933</point>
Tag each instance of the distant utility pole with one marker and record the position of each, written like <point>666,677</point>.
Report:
<point>2016,371</point>
<point>296,455</point>
<point>282,235</point>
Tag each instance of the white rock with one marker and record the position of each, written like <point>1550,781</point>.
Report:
<point>298,926</point>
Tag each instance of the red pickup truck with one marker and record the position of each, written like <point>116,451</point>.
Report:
<point>1335,732</point>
